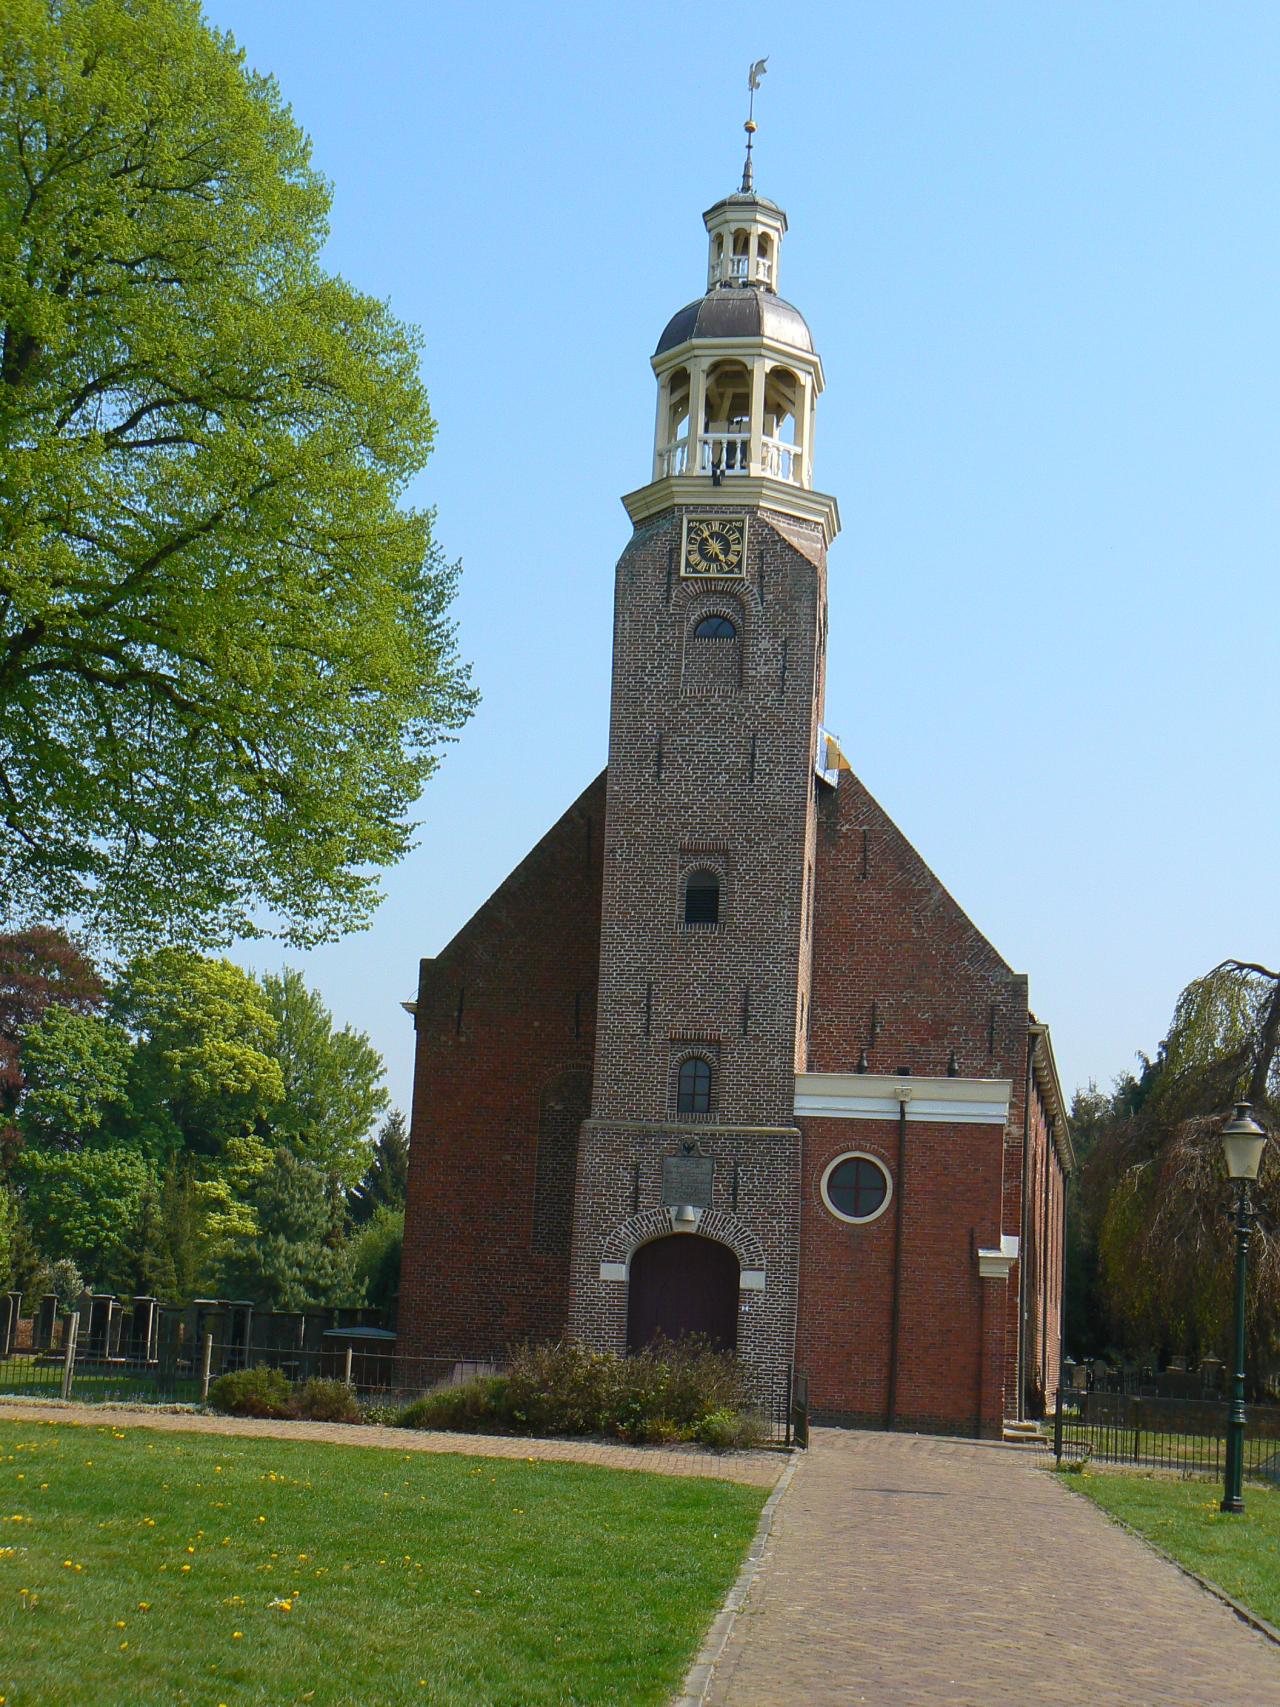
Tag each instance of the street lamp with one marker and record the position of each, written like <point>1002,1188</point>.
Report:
<point>1243,1142</point>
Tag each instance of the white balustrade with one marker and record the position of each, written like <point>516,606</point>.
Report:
<point>730,453</point>
<point>725,453</point>
<point>675,458</point>
<point>782,461</point>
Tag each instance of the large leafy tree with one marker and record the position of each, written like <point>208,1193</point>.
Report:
<point>75,1069</point>
<point>225,655</point>
<point>39,968</point>
<point>1159,1183</point>
<point>204,1071</point>
<point>86,1205</point>
<point>333,1089</point>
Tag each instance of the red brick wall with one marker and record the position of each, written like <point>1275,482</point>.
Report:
<point>904,979</point>
<point>505,1026</point>
<point>946,1191</point>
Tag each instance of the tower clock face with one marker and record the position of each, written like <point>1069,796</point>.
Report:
<point>715,545</point>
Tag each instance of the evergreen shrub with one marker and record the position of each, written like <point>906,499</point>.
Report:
<point>256,1392</point>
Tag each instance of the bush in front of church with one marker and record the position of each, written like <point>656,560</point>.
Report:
<point>669,1392</point>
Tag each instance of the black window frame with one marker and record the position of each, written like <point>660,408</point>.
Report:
<point>703,887</point>
<point>696,1098</point>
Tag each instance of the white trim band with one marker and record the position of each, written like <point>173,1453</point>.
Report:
<point>876,1096</point>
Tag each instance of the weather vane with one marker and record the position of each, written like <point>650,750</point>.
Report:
<point>756,72</point>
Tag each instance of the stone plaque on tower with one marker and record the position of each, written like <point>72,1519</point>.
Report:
<point>687,1179</point>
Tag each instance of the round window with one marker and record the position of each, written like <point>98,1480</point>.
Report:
<point>856,1187</point>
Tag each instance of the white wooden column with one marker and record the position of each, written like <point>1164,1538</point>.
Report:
<point>697,412</point>
<point>757,411</point>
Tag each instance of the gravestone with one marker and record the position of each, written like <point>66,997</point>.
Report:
<point>46,1317</point>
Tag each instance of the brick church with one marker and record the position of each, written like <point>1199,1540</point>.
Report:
<point>722,1055</point>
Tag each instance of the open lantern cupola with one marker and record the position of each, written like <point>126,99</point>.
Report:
<point>738,380</point>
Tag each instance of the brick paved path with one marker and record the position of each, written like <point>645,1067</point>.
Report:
<point>907,1572</point>
<point>759,1469</point>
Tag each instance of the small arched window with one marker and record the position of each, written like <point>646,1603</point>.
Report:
<point>715,628</point>
<point>693,1087</point>
<point>702,898</point>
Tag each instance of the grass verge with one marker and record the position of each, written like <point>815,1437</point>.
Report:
<point>143,1567</point>
<point>1239,1553</point>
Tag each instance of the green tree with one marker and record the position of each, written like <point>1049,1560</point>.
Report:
<point>203,1071</point>
<point>333,1087</point>
<point>385,1183</point>
<point>226,661</point>
<point>85,1205</point>
<point>296,1257</point>
<point>375,1256</point>
<point>76,1069</point>
<point>1164,1242</point>
<point>39,968</point>
<point>8,1236</point>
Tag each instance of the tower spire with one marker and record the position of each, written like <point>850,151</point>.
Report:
<point>756,72</point>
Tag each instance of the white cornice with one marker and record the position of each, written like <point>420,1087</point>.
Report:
<point>1050,1087</point>
<point>878,1096</point>
<point>809,360</point>
<point>995,1265</point>
<point>751,491</point>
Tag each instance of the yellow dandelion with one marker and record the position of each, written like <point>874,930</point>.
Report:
<point>186,1567</point>
<point>236,1635</point>
<point>144,1606</point>
<point>120,1624</point>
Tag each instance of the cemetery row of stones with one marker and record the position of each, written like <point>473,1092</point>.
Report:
<point>143,1331</point>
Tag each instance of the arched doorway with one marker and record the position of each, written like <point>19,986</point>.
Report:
<point>683,1285</point>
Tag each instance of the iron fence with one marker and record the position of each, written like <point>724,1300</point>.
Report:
<point>1186,1435</point>
<point>73,1365</point>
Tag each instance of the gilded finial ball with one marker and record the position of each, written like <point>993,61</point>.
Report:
<point>750,126</point>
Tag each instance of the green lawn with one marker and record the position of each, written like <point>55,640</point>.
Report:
<point>1239,1553</point>
<point>139,1567</point>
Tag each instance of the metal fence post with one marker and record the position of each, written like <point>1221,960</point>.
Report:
<point>69,1353</point>
<point>787,1434</point>
<point>1057,1425</point>
<point>206,1368</point>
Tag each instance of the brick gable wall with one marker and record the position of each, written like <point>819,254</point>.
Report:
<point>505,1035</point>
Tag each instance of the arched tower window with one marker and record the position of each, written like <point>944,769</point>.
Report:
<point>715,628</point>
<point>713,647</point>
<point>693,1086</point>
<point>702,898</point>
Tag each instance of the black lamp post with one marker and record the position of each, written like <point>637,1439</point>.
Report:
<point>1243,1141</point>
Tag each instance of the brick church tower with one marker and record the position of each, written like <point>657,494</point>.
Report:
<point>722,1055</point>
<point>707,916</point>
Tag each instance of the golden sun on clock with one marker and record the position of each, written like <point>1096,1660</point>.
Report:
<point>714,545</point>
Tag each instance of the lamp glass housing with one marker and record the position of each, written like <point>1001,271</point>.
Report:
<point>1243,1142</point>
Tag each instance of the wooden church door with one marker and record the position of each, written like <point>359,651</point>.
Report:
<point>683,1285</point>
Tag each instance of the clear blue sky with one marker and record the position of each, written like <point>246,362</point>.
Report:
<point>1039,247</point>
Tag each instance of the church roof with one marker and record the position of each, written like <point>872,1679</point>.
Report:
<point>737,313</point>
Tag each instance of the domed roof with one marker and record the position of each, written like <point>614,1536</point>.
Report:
<point>737,313</point>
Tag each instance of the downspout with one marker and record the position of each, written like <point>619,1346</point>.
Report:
<point>1022,1232</point>
<point>891,1408</point>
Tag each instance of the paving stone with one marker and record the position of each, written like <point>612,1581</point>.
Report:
<point>910,1572</point>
